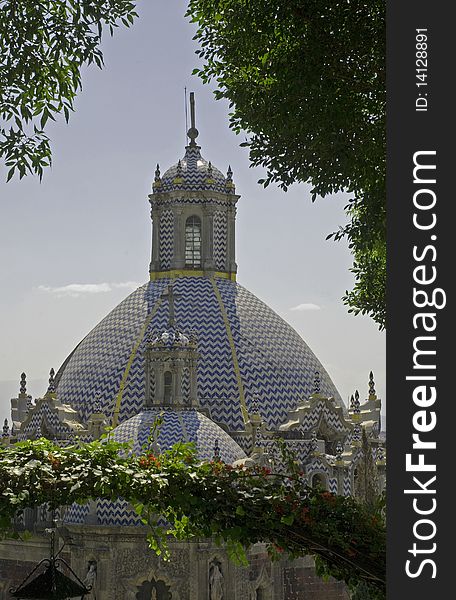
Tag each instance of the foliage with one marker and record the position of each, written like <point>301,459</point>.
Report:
<point>306,81</point>
<point>235,505</point>
<point>43,46</point>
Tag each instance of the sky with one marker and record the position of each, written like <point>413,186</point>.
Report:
<point>76,244</point>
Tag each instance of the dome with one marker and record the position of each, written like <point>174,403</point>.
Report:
<point>179,426</point>
<point>192,172</point>
<point>248,355</point>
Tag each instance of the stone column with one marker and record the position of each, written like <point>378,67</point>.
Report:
<point>147,368</point>
<point>155,259</point>
<point>159,383</point>
<point>208,238</point>
<point>231,240</point>
<point>178,398</point>
<point>178,260</point>
<point>193,383</point>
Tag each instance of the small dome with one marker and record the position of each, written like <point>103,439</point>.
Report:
<point>179,426</point>
<point>193,172</point>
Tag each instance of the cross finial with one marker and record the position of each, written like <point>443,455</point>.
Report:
<point>192,132</point>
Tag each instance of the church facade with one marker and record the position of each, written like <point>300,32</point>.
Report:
<point>222,370</point>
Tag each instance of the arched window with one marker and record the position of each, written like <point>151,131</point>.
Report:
<point>168,387</point>
<point>319,480</point>
<point>193,241</point>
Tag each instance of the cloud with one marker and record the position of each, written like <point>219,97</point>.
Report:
<point>75,290</point>
<point>306,306</point>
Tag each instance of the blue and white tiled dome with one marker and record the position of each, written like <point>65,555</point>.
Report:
<point>187,425</point>
<point>193,172</point>
<point>248,354</point>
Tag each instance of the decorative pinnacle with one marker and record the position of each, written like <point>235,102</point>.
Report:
<point>372,392</point>
<point>157,173</point>
<point>229,174</point>
<point>97,405</point>
<point>357,433</point>
<point>6,430</point>
<point>23,388</point>
<point>51,388</point>
<point>179,168</point>
<point>317,383</point>
<point>314,441</point>
<point>356,405</point>
<point>192,132</point>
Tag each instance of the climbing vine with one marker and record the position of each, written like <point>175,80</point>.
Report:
<point>237,506</point>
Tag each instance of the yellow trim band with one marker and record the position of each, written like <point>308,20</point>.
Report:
<point>115,414</point>
<point>244,410</point>
<point>175,273</point>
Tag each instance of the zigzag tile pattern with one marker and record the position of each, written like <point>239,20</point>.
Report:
<point>51,419</point>
<point>322,412</point>
<point>193,174</point>
<point>166,239</point>
<point>185,384</point>
<point>274,362</point>
<point>333,485</point>
<point>276,365</point>
<point>95,370</point>
<point>76,514</point>
<point>186,425</point>
<point>201,201</point>
<point>301,448</point>
<point>317,466</point>
<point>220,235</point>
<point>107,513</point>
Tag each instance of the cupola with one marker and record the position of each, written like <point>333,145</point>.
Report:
<point>193,209</point>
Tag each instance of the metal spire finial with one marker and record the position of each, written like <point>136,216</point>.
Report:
<point>192,132</point>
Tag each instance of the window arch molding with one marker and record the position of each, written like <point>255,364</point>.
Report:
<point>193,241</point>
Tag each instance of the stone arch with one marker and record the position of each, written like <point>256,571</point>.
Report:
<point>318,478</point>
<point>157,579</point>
